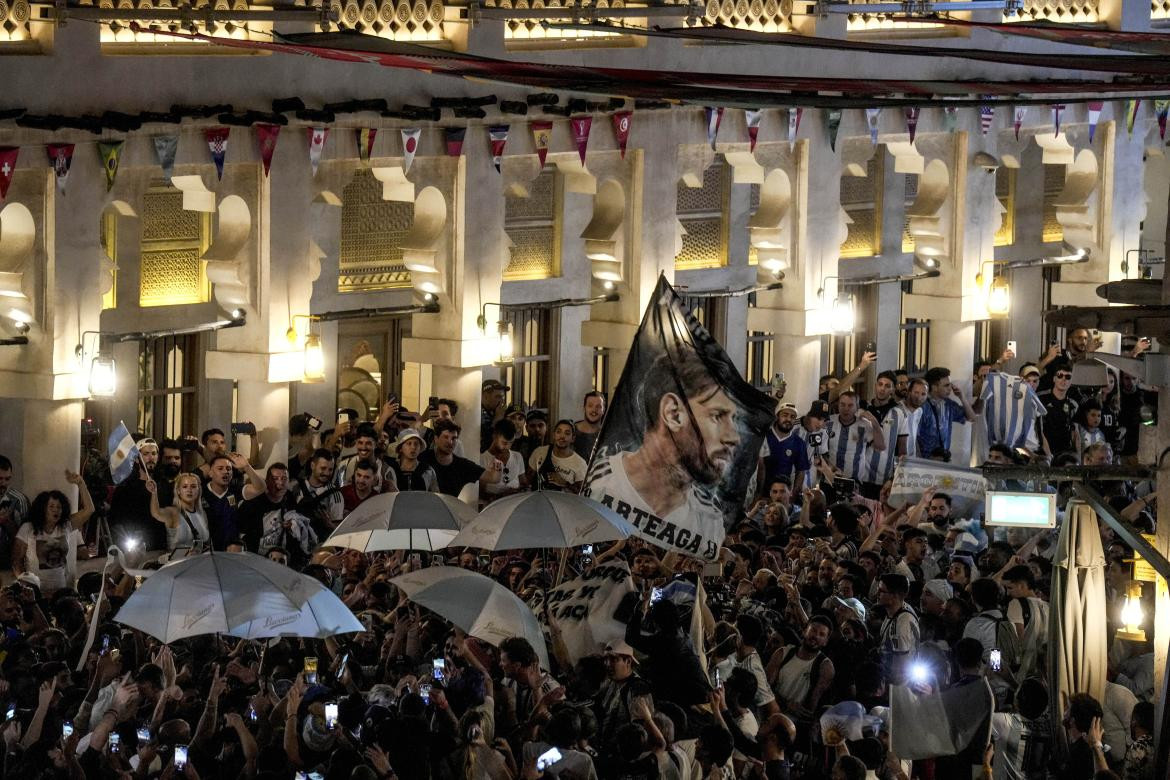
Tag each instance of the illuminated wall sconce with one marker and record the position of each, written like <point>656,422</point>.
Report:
<point>314,365</point>
<point>772,262</point>
<point>507,350</point>
<point>841,311</point>
<point>103,377</point>
<point>999,299</point>
<point>1132,615</point>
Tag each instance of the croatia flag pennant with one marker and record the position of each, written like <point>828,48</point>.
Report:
<point>834,126</point>
<point>581,125</point>
<point>1018,118</point>
<point>1094,107</point>
<point>1057,110</point>
<point>541,132</point>
<point>1131,112</point>
<point>61,158</point>
<point>8,155</point>
<point>794,115</point>
<point>912,121</point>
<point>1161,109</point>
<point>111,154</point>
<point>410,137</point>
<point>317,138</point>
<point>752,117</point>
<point>266,135</point>
<point>217,139</point>
<point>621,129</point>
<point>454,140</point>
<point>165,147</point>
<point>499,137</point>
<point>365,142</point>
<point>986,117</point>
<point>872,115</point>
<point>951,118</point>
<point>714,117</point>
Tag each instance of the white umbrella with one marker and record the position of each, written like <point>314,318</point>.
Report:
<point>212,593</point>
<point>322,615</point>
<point>407,520</point>
<point>544,519</point>
<point>477,604</point>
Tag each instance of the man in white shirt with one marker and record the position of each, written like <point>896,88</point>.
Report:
<point>912,407</point>
<point>500,449</point>
<point>557,466</point>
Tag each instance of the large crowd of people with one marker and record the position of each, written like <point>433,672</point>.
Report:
<point>824,595</point>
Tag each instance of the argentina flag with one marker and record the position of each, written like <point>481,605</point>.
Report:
<point>123,453</point>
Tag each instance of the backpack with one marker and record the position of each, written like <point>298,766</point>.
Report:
<point>1009,644</point>
<point>814,672</point>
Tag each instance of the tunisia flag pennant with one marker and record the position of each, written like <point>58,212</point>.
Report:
<point>111,154</point>
<point>1018,118</point>
<point>834,126</point>
<point>499,137</point>
<point>409,146</point>
<point>454,139</point>
<point>714,117</point>
<point>8,155</point>
<point>317,138</point>
<point>1131,112</point>
<point>1095,107</point>
<point>1057,110</point>
<point>752,116</point>
<point>912,121</point>
<point>794,115</point>
<point>61,158</point>
<point>986,117</point>
<point>872,115</point>
<point>267,134</point>
<point>365,142</point>
<point>541,131</point>
<point>165,147</point>
<point>621,129</point>
<point>217,138</point>
<point>581,125</point>
<point>1161,109</point>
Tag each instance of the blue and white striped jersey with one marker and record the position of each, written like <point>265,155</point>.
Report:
<point>1010,409</point>
<point>848,446</point>
<point>879,466</point>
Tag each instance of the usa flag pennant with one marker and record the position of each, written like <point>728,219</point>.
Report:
<point>986,117</point>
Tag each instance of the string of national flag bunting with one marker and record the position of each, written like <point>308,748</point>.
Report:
<point>60,155</point>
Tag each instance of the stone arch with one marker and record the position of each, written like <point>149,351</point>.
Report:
<point>1076,206</point>
<point>228,261</point>
<point>926,223</point>
<point>196,196</point>
<point>601,243</point>
<point>769,226</point>
<point>421,245</point>
<point>18,235</point>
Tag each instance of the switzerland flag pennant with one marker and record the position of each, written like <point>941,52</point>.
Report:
<point>267,135</point>
<point>409,146</point>
<point>540,138</point>
<point>61,158</point>
<point>621,129</point>
<point>499,138</point>
<point>217,138</point>
<point>317,138</point>
<point>8,155</point>
<point>752,116</point>
<point>581,126</point>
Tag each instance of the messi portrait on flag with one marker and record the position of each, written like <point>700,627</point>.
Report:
<point>680,441</point>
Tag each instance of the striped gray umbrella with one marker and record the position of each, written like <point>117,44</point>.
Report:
<point>544,519</point>
<point>407,520</point>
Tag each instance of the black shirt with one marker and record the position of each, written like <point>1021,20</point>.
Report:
<point>583,444</point>
<point>250,517</point>
<point>1058,422</point>
<point>454,475</point>
<point>130,515</point>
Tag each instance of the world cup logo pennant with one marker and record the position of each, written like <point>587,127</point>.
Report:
<point>8,155</point>
<point>581,125</point>
<point>540,139</point>
<point>498,134</point>
<point>365,142</point>
<point>165,147</point>
<point>111,154</point>
<point>752,117</point>
<point>317,138</point>
<point>912,121</point>
<point>1094,107</point>
<point>621,129</point>
<point>266,136</point>
<point>61,158</point>
<point>714,118</point>
<point>410,136</point>
<point>217,140</point>
<point>454,140</point>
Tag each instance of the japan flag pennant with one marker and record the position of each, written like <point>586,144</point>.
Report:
<point>217,139</point>
<point>1057,110</point>
<point>794,115</point>
<point>454,140</point>
<point>317,138</point>
<point>266,136</point>
<point>1094,107</point>
<point>834,126</point>
<point>8,155</point>
<point>61,158</point>
<point>1161,109</point>
<point>1018,118</point>
<point>581,125</point>
<point>621,129</point>
<point>714,118</point>
<point>986,117</point>
<point>912,121</point>
<point>410,136</point>
<point>165,147</point>
<point>752,117</point>
<point>111,154</point>
<point>872,115</point>
<point>499,138</point>
<point>541,133</point>
<point>365,142</point>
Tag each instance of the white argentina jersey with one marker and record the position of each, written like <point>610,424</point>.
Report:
<point>879,466</point>
<point>848,446</point>
<point>1010,409</point>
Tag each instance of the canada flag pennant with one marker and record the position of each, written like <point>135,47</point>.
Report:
<point>541,133</point>
<point>621,129</point>
<point>317,138</point>
<point>61,158</point>
<point>410,136</point>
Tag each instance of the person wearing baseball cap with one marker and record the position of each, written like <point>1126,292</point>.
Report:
<point>491,409</point>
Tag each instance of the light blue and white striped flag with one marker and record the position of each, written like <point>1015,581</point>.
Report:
<point>123,453</point>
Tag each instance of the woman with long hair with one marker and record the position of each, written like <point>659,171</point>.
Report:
<point>185,522</point>
<point>46,545</point>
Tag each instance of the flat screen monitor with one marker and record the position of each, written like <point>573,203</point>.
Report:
<point>1020,510</point>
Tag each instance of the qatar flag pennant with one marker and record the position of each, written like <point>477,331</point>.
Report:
<point>266,135</point>
<point>499,137</point>
<point>951,118</point>
<point>217,138</point>
<point>365,142</point>
<point>409,146</point>
<point>165,147</point>
<point>317,138</point>
<point>453,136</point>
<point>1018,118</point>
<point>1131,112</point>
<point>1095,107</point>
<point>986,117</point>
<point>8,155</point>
<point>111,154</point>
<point>621,129</point>
<point>1057,110</point>
<point>541,132</point>
<point>794,115</point>
<point>714,117</point>
<point>1161,109</point>
<point>834,126</point>
<point>912,121</point>
<point>61,158</point>
<point>872,116</point>
<point>752,116</point>
<point>581,126</point>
